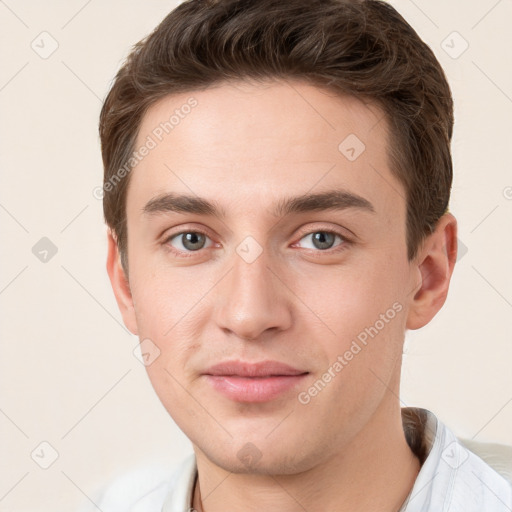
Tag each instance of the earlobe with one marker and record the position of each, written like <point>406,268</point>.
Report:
<point>435,265</point>
<point>120,284</point>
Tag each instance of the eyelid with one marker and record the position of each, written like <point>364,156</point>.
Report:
<point>168,236</point>
<point>302,233</point>
<point>326,229</point>
<point>346,242</point>
<point>169,233</point>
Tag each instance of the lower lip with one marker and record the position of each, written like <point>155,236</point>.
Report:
<point>254,389</point>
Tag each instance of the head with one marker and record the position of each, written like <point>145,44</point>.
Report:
<point>277,179</point>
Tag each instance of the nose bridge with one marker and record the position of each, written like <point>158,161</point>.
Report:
<point>251,275</point>
<point>251,299</point>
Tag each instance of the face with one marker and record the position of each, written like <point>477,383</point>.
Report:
<point>289,247</point>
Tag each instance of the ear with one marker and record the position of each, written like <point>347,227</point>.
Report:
<point>435,265</point>
<point>120,284</point>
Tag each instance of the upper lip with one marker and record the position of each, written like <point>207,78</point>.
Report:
<point>246,369</point>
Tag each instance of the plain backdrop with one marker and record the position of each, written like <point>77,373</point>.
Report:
<point>69,377</point>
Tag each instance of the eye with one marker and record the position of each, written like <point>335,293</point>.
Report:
<point>188,241</point>
<point>323,240</point>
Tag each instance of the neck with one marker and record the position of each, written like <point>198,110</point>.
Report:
<point>375,471</point>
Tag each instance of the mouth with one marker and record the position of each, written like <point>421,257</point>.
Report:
<point>254,382</point>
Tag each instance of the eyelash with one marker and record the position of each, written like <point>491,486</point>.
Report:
<point>345,242</point>
<point>317,252</point>
<point>183,254</point>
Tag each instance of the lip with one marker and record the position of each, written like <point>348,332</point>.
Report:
<point>259,369</point>
<point>253,382</point>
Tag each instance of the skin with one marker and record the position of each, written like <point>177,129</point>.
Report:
<point>246,146</point>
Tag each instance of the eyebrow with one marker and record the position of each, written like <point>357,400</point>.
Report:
<point>329,200</point>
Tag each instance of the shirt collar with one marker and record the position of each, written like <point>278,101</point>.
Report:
<point>179,498</point>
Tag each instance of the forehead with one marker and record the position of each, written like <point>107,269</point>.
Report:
<point>263,140</point>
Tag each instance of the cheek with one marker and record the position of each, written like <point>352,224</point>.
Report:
<point>171,312</point>
<point>363,317</point>
<point>161,298</point>
<point>171,388</point>
<point>153,311</point>
<point>349,298</point>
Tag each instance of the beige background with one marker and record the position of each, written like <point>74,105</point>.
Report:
<point>67,371</point>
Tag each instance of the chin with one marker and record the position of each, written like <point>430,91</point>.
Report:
<point>261,457</point>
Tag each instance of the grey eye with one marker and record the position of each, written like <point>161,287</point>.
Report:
<point>189,241</point>
<point>322,240</point>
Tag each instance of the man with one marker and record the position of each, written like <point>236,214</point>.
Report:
<point>277,180</point>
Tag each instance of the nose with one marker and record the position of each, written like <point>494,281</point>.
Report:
<point>253,300</point>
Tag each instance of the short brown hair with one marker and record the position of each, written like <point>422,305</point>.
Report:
<point>358,47</point>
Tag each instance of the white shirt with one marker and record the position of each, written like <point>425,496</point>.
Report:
<point>451,479</point>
